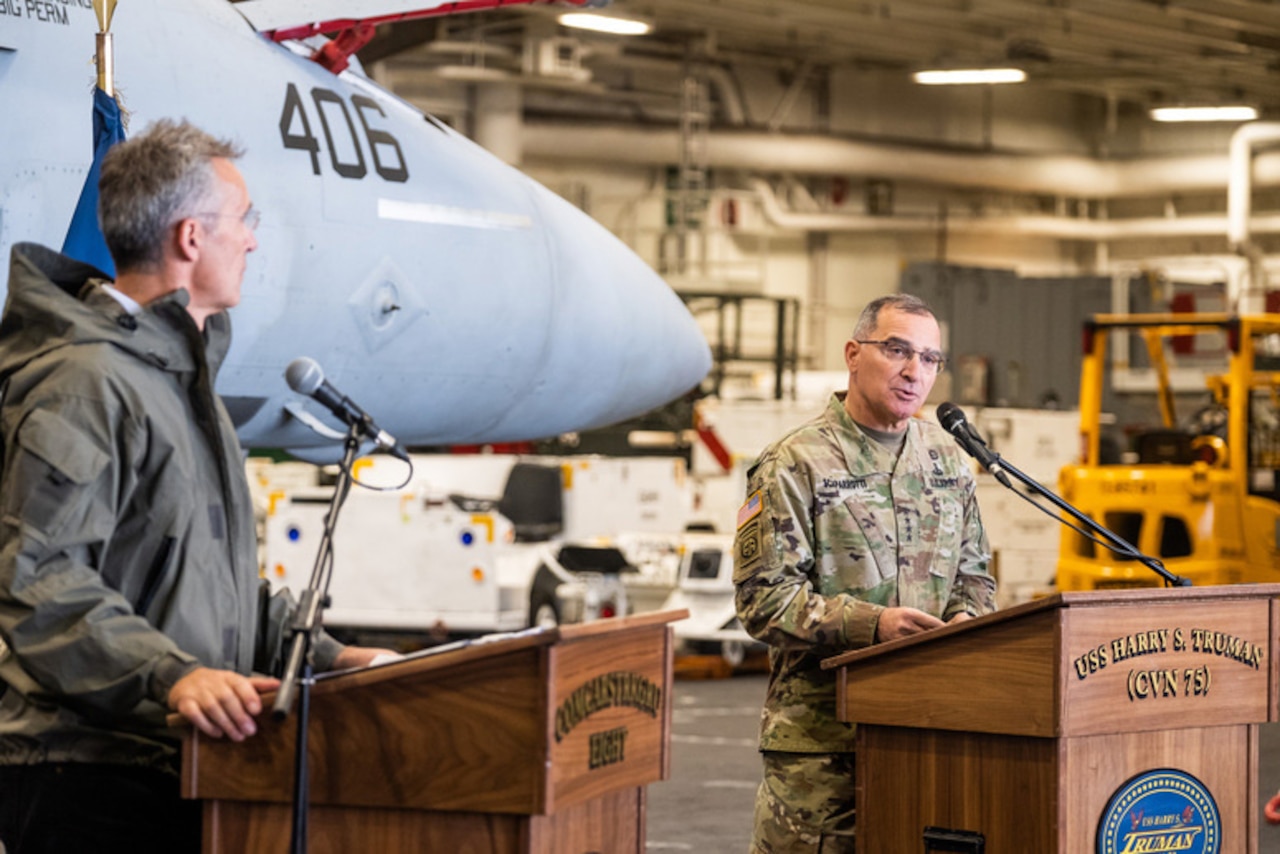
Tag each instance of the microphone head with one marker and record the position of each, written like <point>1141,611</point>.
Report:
<point>950,416</point>
<point>304,375</point>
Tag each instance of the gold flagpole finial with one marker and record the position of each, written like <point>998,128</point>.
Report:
<point>104,9</point>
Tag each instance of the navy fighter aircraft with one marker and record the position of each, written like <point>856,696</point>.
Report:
<point>458,300</point>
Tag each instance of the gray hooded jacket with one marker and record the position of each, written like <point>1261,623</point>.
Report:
<point>127,551</point>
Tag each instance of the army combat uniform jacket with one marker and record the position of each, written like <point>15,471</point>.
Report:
<point>835,530</point>
<point>127,547</point>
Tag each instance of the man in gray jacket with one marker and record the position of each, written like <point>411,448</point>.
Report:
<point>128,570</point>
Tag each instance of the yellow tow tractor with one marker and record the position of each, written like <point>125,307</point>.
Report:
<point>1201,494</point>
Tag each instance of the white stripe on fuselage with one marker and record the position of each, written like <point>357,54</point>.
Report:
<point>445,215</point>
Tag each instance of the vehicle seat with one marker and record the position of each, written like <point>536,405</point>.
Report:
<point>533,501</point>
<point>1164,446</point>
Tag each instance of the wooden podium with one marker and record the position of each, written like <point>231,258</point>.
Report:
<point>1082,722</point>
<point>538,742</point>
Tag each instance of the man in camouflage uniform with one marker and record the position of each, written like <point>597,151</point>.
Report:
<point>860,526</point>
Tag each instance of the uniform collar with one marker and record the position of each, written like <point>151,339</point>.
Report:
<point>864,454</point>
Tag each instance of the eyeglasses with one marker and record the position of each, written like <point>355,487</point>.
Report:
<point>900,351</point>
<point>251,218</point>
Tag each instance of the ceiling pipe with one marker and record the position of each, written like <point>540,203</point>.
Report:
<point>730,97</point>
<point>1244,142</point>
<point>1241,155</point>
<point>763,152</point>
<point>809,221</point>
<point>727,92</point>
<point>1058,175</point>
<point>1024,225</point>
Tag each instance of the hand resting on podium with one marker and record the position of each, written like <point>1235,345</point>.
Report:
<point>222,702</point>
<point>903,622</point>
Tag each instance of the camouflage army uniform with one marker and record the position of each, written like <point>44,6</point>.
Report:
<point>834,531</point>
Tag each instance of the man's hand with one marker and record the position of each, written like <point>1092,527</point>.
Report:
<point>360,656</point>
<point>960,617</point>
<point>220,702</point>
<point>903,622</point>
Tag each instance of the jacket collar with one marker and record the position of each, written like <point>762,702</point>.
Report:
<point>55,301</point>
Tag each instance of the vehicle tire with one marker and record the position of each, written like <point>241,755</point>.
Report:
<point>702,647</point>
<point>733,652</point>
<point>543,614</point>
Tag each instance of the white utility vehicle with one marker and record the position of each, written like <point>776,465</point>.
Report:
<point>704,585</point>
<point>476,544</point>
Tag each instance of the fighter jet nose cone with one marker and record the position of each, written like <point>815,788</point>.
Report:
<point>621,341</point>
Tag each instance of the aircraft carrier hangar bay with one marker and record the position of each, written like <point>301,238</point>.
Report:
<point>779,165</point>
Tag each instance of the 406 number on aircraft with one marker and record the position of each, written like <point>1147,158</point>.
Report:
<point>327,102</point>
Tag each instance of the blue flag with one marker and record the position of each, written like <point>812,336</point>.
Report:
<point>84,238</point>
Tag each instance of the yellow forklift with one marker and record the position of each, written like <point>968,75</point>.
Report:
<point>1200,494</point>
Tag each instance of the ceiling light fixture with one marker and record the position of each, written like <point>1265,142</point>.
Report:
<point>1235,113</point>
<point>959,76</point>
<point>604,23</point>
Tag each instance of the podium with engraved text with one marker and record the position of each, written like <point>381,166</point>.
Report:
<point>540,742</point>
<point>1101,721</point>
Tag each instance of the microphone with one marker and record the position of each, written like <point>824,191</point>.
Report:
<point>305,377</point>
<point>952,419</point>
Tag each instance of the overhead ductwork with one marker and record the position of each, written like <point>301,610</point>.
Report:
<point>1022,225</point>
<point>1240,223</point>
<point>1244,144</point>
<point>761,152</point>
<point>1066,176</point>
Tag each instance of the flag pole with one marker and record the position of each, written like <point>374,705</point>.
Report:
<point>105,57</point>
<point>84,240</point>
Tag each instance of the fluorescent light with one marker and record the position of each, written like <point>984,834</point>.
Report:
<point>1204,114</point>
<point>604,23</point>
<point>957,76</point>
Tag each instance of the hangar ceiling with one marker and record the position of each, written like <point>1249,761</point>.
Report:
<point>1139,52</point>
<point>794,92</point>
<point>1133,49</point>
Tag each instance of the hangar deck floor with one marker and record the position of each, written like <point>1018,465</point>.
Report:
<point>715,768</point>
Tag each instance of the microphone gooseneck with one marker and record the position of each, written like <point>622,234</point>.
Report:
<point>952,419</point>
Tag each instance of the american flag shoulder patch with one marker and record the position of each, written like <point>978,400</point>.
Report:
<point>751,509</point>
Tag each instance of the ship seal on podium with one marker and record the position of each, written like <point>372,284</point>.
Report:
<point>1161,810</point>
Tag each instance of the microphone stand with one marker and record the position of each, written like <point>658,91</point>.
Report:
<point>1116,543</point>
<point>298,674</point>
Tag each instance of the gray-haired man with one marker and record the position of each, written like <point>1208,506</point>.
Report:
<point>860,526</point>
<point>128,569</point>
